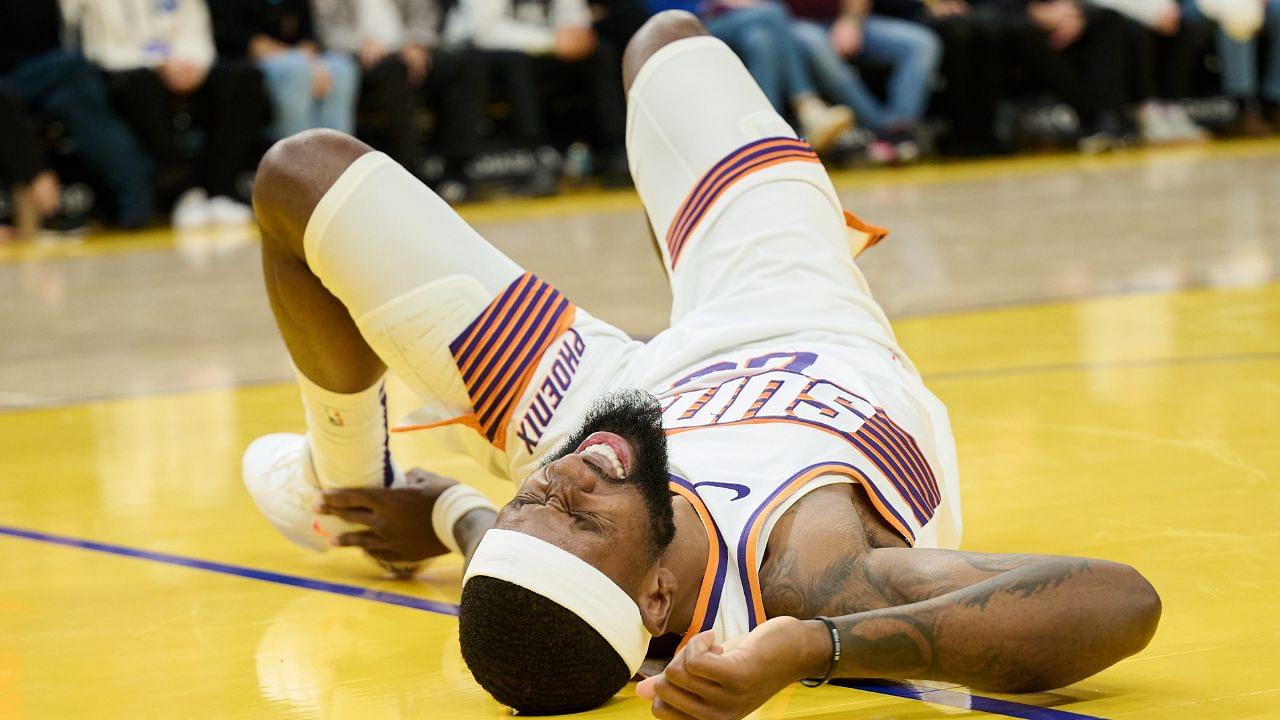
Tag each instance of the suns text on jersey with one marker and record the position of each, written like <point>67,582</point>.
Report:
<point>772,387</point>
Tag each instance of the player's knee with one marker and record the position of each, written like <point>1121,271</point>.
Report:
<point>660,30</point>
<point>292,177</point>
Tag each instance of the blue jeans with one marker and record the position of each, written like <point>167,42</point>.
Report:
<point>759,36</point>
<point>288,80</point>
<point>1240,58</point>
<point>912,50</point>
<point>64,87</point>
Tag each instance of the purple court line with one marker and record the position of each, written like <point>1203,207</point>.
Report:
<point>950,698</point>
<point>354,591</point>
<point>962,699</point>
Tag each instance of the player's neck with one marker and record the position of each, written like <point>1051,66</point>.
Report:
<point>686,558</point>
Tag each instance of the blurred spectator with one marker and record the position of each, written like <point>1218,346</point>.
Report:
<point>62,86</point>
<point>1076,52</point>
<point>540,43</point>
<point>617,20</point>
<point>1239,24</point>
<point>397,43</point>
<point>835,32</point>
<point>971,70</point>
<point>34,188</point>
<point>308,87</point>
<point>759,31</point>
<point>1162,53</point>
<point>155,53</point>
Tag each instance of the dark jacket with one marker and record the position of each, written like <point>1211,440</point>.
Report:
<point>28,28</point>
<point>236,22</point>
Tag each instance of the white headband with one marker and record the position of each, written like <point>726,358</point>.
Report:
<point>570,582</point>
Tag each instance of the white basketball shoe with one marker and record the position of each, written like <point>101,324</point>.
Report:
<point>282,481</point>
<point>278,473</point>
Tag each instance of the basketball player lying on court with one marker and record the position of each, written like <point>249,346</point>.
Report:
<point>764,492</point>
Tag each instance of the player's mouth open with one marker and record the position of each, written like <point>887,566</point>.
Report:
<point>609,453</point>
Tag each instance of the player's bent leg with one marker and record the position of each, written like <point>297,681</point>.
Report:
<point>366,266</point>
<point>749,226</point>
<point>318,331</point>
<point>339,376</point>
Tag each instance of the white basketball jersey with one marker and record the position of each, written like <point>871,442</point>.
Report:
<point>751,433</point>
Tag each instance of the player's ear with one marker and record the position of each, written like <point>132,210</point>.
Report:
<point>655,600</point>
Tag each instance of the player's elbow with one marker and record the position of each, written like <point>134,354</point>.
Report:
<point>1144,608</point>
<point>1109,631</point>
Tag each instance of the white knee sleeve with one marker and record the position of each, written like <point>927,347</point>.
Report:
<point>692,104</point>
<point>411,272</point>
<point>379,233</point>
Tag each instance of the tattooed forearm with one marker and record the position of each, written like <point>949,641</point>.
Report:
<point>1044,623</point>
<point>1065,569</point>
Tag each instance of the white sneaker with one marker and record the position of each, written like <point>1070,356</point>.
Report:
<point>1155,126</point>
<point>1184,128</point>
<point>192,210</point>
<point>225,211</point>
<point>278,473</point>
<point>822,124</point>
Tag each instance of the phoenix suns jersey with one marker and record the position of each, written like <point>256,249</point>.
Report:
<point>751,433</point>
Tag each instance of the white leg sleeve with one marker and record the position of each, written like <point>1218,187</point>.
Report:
<point>412,273</point>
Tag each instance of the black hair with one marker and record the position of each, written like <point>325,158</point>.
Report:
<point>533,655</point>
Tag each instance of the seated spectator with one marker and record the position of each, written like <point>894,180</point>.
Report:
<point>1162,52</point>
<point>835,32</point>
<point>536,43</point>
<point>971,70</point>
<point>397,43</point>
<point>155,54</point>
<point>33,187</point>
<point>60,85</point>
<point>617,20</point>
<point>1239,26</point>
<point>309,88</point>
<point>759,31</point>
<point>1073,50</point>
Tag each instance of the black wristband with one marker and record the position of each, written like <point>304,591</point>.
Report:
<point>835,655</point>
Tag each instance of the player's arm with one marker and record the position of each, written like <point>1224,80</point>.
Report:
<point>1007,623</point>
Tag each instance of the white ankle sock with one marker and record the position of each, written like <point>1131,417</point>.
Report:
<point>348,435</point>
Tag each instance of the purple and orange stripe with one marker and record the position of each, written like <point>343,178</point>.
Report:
<point>919,492</point>
<point>748,159</point>
<point>498,353</point>
<point>708,603</point>
<point>749,543</point>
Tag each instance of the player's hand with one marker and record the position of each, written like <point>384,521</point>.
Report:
<point>846,36</point>
<point>398,519</point>
<point>708,681</point>
<point>417,62</point>
<point>575,43</point>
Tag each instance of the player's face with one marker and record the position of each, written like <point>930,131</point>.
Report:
<point>603,495</point>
